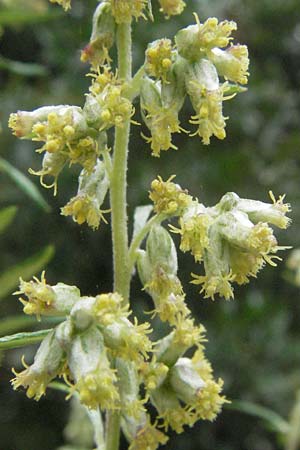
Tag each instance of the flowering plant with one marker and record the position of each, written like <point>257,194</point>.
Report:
<point>105,357</point>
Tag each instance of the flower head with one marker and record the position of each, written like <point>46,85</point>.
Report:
<point>43,299</point>
<point>171,7</point>
<point>159,58</point>
<point>102,37</point>
<point>195,41</point>
<point>46,366</point>
<point>232,63</point>
<point>95,380</point>
<point>169,198</point>
<point>124,10</point>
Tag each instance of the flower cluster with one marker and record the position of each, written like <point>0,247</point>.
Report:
<point>233,239</point>
<point>188,391</point>
<point>182,390</point>
<point>92,189</point>
<point>169,198</point>
<point>106,105</point>
<point>80,348</point>
<point>203,53</point>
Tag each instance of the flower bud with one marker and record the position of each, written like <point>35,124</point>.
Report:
<point>267,212</point>
<point>170,348</point>
<point>89,366</point>
<point>86,205</point>
<point>160,117</point>
<point>194,225</point>
<point>64,333</point>
<point>170,410</point>
<point>44,299</point>
<point>159,59</point>
<point>127,340</point>
<point>195,41</point>
<point>46,366</point>
<point>22,122</point>
<point>141,434</point>
<point>185,380</point>
<point>231,63</point>
<point>161,249</point>
<point>206,95</point>
<point>102,37</point>
<point>82,313</point>
<point>53,164</point>
<point>128,382</point>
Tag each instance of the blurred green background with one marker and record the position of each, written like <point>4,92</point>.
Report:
<point>254,340</point>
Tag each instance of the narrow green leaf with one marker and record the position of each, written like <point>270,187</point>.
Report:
<point>22,339</point>
<point>24,184</point>
<point>21,68</point>
<point>6,217</point>
<point>141,215</point>
<point>10,278</point>
<point>12,324</point>
<point>22,17</point>
<point>274,421</point>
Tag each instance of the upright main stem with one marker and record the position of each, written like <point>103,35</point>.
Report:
<point>118,197</point>
<point>118,203</point>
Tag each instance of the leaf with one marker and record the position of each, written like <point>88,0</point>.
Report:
<point>22,339</point>
<point>141,215</point>
<point>275,422</point>
<point>21,68</point>
<point>24,184</point>
<point>235,89</point>
<point>22,17</point>
<point>7,216</point>
<point>12,324</point>
<point>10,278</point>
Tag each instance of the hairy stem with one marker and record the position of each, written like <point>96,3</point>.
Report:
<point>118,203</point>
<point>118,196</point>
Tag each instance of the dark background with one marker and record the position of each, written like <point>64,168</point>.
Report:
<point>254,340</point>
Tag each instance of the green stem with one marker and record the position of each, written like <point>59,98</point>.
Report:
<point>118,197</point>
<point>133,89</point>
<point>22,339</point>
<point>118,204</point>
<point>140,236</point>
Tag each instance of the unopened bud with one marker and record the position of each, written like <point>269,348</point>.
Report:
<point>102,37</point>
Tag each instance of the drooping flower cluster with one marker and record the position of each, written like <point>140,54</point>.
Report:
<point>202,54</point>
<point>98,330</point>
<point>80,347</point>
<point>233,239</point>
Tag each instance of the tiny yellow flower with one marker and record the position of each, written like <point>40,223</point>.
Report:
<point>124,10</point>
<point>215,284</point>
<point>66,4</point>
<point>148,438</point>
<point>172,7</point>
<point>169,198</point>
<point>159,59</point>
<point>85,208</point>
